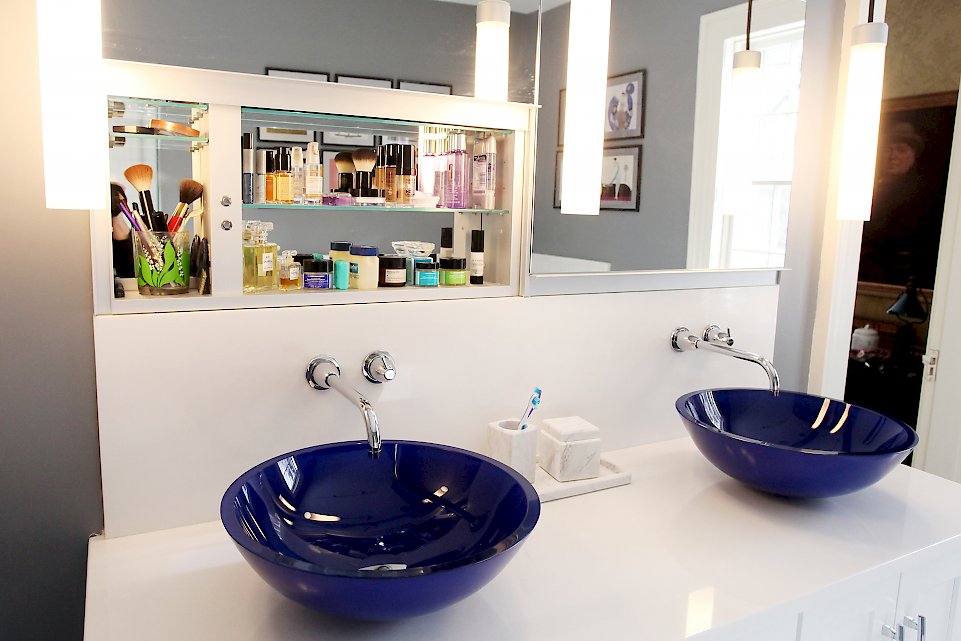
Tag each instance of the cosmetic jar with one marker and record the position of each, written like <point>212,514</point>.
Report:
<point>341,274</point>
<point>393,271</point>
<point>340,250</point>
<point>317,273</point>
<point>363,267</point>
<point>412,264</point>
<point>453,272</point>
<point>425,274</point>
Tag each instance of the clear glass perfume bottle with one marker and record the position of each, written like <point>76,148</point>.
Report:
<point>458,179</point>
<point>261,269</point>
<point>313,175</point>
<point>297,171</point>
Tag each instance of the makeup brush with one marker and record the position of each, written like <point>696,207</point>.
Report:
<point>345,168</point>
<point>364,161</point>
<point>140,176</point>
<point>190,190</point>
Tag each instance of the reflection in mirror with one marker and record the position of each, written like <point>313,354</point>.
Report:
<point>666,143</point>
<point>427,45</point>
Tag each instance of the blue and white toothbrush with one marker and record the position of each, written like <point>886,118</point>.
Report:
<point>531,406</point>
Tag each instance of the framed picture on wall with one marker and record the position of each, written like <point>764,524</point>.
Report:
<point>284,134</point>
<point>383,83</point>
<point>348,138</point>
<point>620,188</point>
<point>298,75</point>
<point>426,87</point>
<point>625,103</point>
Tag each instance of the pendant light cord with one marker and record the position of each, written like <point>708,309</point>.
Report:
<point>871,11</point>
<point>750,7</point>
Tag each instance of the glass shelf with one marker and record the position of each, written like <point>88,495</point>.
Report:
<point>392,209</point>
<point>158,141</point>
<point>124,107</point>
<point>338,123</point>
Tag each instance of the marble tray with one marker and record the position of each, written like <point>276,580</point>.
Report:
<point>550,489</point>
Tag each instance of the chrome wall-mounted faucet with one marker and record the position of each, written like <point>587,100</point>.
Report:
<point>716,340</point>
<point>323,373</point>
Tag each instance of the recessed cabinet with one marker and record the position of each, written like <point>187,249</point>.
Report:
<point>277,115</point>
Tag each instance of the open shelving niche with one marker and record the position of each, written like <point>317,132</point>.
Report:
<point>216,163</point>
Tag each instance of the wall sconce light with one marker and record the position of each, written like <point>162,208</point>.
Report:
<point>862,114</point>
<point>584,110</point>
<point>492,52</point>
<point>744,97</point>
<point>72,104</point>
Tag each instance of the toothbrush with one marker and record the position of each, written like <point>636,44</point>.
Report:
<point>531,406</point>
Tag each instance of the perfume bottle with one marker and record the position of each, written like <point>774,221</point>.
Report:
<point>289,270</point>
<point>458,176</point>
<point>405,176</point>
<point>269,184</point>
<point>484,174</point>
<point>441,173</point>
<point>261,271</point>
<point>426,159</point>
<point>297,172</point>
<point>283,178</point>
<point>313,175</point>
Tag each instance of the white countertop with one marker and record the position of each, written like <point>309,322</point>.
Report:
<point>682,549</point>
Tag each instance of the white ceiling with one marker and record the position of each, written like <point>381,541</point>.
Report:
<point>521,6</point>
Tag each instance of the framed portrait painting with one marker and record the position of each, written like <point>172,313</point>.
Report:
<point>625,104</point>
<point>620,188</point>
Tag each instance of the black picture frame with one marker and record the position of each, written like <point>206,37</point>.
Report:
<point>426,87</point>
<point>617,200</point>
<point>298,74</point>
<point>363,81</point>
<point>624,108</point>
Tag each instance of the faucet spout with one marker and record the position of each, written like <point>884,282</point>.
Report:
<point>683,340</point>
<point>323,373</point>
<point>366,410</point>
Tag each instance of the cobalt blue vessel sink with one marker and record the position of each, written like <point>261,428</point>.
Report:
<point>414,530</point>
<point>794,444</point>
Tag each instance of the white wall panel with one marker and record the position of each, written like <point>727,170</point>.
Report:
<point>189,400</point>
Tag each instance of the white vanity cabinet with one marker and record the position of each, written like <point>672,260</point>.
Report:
<point>929,596</point>
<point>290,112</point>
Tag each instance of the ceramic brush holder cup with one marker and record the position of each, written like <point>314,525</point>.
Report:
<point>514,447</point>
<point>162,262</point>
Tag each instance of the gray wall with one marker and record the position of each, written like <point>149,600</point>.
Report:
<point>419,40</point>
<point>660,36</point>
<point>49,460</point>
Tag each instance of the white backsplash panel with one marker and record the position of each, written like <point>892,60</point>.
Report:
<point>188,401</point>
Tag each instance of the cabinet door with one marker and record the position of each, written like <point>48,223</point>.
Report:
<point>930,593</point>
<point>854,612</point>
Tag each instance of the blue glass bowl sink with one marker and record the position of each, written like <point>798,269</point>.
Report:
<point>794,444</point>
<point>414,530</point>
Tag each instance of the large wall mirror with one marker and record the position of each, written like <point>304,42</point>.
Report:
<point>667,144</point>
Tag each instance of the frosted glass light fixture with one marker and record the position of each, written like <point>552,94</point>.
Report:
<point>492,52</point>
<point>744,96</point>
<point>72,104</point>
<point>862,114</point>
<point>584,111</point>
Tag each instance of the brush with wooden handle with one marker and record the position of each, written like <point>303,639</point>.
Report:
<point>141,176</point>
<point>190,191</point>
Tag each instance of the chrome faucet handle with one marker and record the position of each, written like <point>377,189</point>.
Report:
<point>379,367</point>
<point>683,340</point>
<point>714,334</point>
<point>321,367</point>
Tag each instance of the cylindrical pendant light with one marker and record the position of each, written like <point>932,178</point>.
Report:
<point>72,104</point>
<point>492,52</point>
<point>590,26</point>
<point>862,114</point>
<point>744,96</point>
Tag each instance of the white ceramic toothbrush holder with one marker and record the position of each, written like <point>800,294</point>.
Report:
<point>514,447</point>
